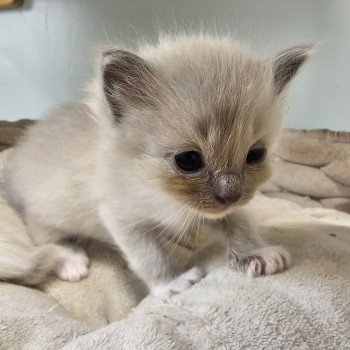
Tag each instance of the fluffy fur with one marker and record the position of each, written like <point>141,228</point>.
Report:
<point>105,168</point>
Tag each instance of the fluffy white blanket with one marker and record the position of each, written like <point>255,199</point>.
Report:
<point>307,307</point>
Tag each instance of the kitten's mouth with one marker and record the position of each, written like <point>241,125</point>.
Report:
<point>216,212</point>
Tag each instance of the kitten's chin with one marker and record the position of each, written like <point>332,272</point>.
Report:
<point>215,213</point>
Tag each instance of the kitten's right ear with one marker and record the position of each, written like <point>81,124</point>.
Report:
<point>287,64</point>
<point>127,79</point>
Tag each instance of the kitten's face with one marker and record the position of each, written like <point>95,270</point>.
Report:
<point>200,117</point>
<point>214,155</point>
<point>211,179</point>
<point>216,186</point>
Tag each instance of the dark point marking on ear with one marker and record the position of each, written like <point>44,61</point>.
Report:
<point>126,79</point>
<point>287,64</point>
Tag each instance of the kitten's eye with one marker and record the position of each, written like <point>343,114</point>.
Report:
<point>256,155</point>
<point>189,161</point>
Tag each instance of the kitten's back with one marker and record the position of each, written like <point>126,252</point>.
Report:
<point>51,163</point>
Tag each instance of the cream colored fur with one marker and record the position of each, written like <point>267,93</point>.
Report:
<point>104,168</point>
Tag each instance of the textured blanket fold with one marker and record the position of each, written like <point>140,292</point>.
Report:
<point>312,168</point>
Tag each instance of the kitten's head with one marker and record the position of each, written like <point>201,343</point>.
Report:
<point>197,116</point>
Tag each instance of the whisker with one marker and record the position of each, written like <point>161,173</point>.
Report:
<point>145,219</point>
<point>192,214</point>
<point>154,227</point>
<point>201,220</point>
<point>190,233</point>
<point>175,235</point>
<point>177,214</point>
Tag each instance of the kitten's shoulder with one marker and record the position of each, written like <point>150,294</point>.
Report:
<point>60,137</point>
<point>72,115</point>
<point>64,124</point>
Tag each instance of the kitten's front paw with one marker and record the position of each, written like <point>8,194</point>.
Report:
<point>73,265</point>
<point>265,261</point>
<point>179,284</point>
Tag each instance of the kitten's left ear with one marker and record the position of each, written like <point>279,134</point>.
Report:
<point>287,64</point>
<point>127,80</point>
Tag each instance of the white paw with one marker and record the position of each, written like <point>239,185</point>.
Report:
<point>268,261</point>
<point>265,261</point>
<point>73,265</point>
<point>179,284</point>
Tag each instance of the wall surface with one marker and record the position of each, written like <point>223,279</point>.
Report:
<point>47,46</point>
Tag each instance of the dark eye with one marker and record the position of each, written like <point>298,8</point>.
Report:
<point>189,161</point>
<point>256,156</point>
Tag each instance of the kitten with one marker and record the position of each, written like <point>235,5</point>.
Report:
<point>170,143</point>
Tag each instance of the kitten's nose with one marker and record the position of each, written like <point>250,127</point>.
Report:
<point>228,188</point>
<point>228,197</point>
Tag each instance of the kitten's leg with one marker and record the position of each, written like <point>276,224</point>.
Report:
<point>148,260</point>
<point>20,260</point>
<point>248,253</point>
<point>71,261</point>
<point>30,265</point>
<point>176,286</point>
<point>73,264</point>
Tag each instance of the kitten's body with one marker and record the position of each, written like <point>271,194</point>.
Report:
<point>105,168</point>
